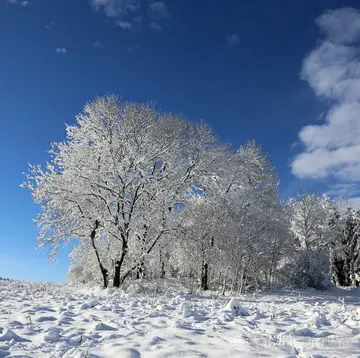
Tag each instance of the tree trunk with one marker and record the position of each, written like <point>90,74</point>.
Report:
<point>163,270</point>
<point>224,285</point>
<point>116,281</point>
<point>104,271</point>
<point>243,278</point>
<point>162,266</point>
<point>204,276</point>
<point>118,265</point>
<point>235,279</point>
<point>140,272</point>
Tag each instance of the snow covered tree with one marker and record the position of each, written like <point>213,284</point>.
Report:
<point>345,248</point>
<point>118,177</point>
<point>256,211</point>
<point>308,263</point>
<point>235,214</point>
<point>309,220</point>
<point>307,268</point>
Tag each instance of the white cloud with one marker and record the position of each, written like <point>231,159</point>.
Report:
<point>61,50</point>
<point>99,44</point>
<point>130,14</point>
<point>233,40</point>
<point>345,190</point>
<point>332,69</point>
<point>116,8</point>
<point>159,10</point>
<point>342,26</point>
<point>155,26</point>
<point>125,25</point>
<point>24,3</point>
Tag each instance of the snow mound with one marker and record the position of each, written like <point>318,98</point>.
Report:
<point>8,335</point>
<point>186,310</point>
<point>318,319</point>
<point>157,340</point>
<point>76,353</point>
<point>103,327</point>
<point>16,324</point>
<point>299,332</point>
<point>93,303</point>
<point>46,319</point>
<point>235,308</point>
<point>52,336</point>
<point>128,353</point>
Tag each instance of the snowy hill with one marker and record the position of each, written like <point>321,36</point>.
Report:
<point>56,320</point>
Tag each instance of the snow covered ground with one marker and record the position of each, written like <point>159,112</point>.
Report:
<point>55,320</point>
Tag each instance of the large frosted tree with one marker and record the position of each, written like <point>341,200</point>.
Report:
<point>119,176</point>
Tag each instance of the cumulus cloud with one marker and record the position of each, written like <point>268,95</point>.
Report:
<point>61,50</point>
<point>342,26</point>
<point>233,40</point>
<point>332,69</point>
<point>155,26</point>
<point>159,10</point>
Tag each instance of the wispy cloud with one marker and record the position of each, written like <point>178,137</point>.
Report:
<point>99,44</point>
<point>345,190</point>
<point>50,25</point>
<point>116,8</point>
<point>131,14</point>
<point>233,40</point>
<point>159,10</point>
<point>332,70</point>
<point>23,3</point>
<point>155,26</point>
<point>125,25</point>
<point>61,51</point>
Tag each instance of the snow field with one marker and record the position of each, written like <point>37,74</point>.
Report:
<point>56,320</point>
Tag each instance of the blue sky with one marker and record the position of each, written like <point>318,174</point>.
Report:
<point>284,73</point>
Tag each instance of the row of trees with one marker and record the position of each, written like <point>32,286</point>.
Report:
<point>151,195</point>
<point>327,241</point>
